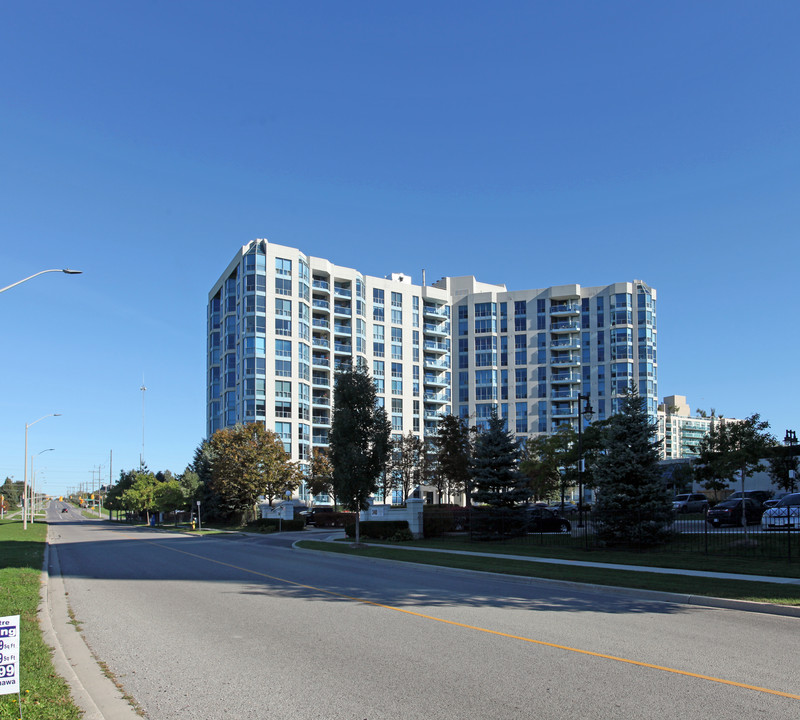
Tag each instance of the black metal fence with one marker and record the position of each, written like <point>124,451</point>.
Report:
<point>681,533</point>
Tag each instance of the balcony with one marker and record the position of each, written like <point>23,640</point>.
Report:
<point>320,342</point>
<point>342,292</point>
<point>435,363</point>
<point>565,378</point>
<point>432,346</point>
<point>343,348</point>
<point>320,323</point>
<point>440,398</point>
<point>564,412</point>
<point>439,380</point>
<point>564,394</point>
<point>439,311</point>
<point>561,327</point>
<point>320,284</point>
<point>321,419</point>
<point>321,304</point>
<point>565,361</point>
<point>342,310</point>
<point>340,329</point>
<point>319,438</point>
<point>320,381</point>
<point>321,361</point>
<point>564,309</point>
<point>566,344</point>
<point>322,400</point>
<point>436,329</point>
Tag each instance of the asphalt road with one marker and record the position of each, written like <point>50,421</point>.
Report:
<point>231,627</point>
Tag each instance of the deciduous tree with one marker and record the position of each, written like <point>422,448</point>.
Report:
<point>734,450</point>
<point>453,453</point>
<point>404,461</point>
<point>249,461</point>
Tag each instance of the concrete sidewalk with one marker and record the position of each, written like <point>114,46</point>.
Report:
<point>584,563</point>
<point>658,595</point>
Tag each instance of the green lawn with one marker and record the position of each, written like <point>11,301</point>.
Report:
<point>733,589</point>
<point>45,695</point>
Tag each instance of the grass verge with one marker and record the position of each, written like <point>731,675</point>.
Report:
<point>690,585</point>
<point>45,695</point>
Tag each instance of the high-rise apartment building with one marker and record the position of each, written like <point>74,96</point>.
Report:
<point>280,323</point>
<point>680,433</point>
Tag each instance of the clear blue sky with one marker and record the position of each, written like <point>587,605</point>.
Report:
<point>530,143</point>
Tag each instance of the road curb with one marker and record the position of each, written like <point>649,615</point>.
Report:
<point>92,691</point>
<point>653,595</point>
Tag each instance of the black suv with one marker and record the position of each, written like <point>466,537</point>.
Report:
<point>760,496</point>
<point>311,515</point>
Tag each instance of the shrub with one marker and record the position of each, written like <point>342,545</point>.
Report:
<point>379,529</point>
<point>268,525</point>
<point>333,519</point>
<point>440,519</point>
<point>497,523</point>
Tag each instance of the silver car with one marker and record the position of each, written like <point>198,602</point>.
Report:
<point>784,516</point>
<point>690,503</point>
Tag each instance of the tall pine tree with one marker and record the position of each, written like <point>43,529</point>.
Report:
<point>633,502</point>
<point>359,440</point>
<point>495,477</point>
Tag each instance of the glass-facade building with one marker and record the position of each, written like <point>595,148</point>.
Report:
<point>280,323</point>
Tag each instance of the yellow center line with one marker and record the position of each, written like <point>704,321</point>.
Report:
<point>556,646</point>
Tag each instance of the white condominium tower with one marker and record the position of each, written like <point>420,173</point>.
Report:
<point>280,323</point>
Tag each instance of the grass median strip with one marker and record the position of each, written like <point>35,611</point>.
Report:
<point>689,585</point>
<point>45,695</point>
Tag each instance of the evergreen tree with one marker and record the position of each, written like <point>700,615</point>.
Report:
<point>359,440</point>
<point>493,469</point>
<point>633,502</point>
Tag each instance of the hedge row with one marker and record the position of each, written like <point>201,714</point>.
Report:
<point>275,524</point>
<point>380,529</point>
<point>333,519</point>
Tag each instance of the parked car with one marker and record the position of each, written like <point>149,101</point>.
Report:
<point>690,502</point>
<point>785,515</point>
<point>775,499</point>
<point>541,519</point>
<point>566,508</point>
<point>729,512</point>
<point>760,496</point>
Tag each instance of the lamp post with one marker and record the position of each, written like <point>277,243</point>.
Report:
<point>33,482</point>
<point>585,412</point>
<point>790,439</point>
<point>41,272</point>
<point>25,471</point>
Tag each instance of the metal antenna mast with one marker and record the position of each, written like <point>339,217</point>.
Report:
<point>141,457</point>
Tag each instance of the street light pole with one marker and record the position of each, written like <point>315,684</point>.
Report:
<point>582,412</point>
<point>25,471</point>
<point>41,272</point>
<point>33,482</point>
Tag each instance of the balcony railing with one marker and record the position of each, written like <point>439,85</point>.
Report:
<point>565,327</point>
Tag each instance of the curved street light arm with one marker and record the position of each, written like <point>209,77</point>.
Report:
<point>41,272</point>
